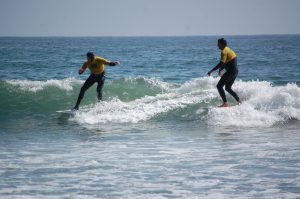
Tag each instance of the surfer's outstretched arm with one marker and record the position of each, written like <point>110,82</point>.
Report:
<point>219,66</point>
<point>82,69</point>
<point>114,63</point>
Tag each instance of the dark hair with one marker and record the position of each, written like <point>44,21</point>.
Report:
<point>222,41</point>
<point>90,55</point>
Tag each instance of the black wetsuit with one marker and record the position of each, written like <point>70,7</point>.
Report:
<point>93,78</point>
<point>228,79</point>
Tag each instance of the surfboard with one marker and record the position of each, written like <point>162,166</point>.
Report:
<point>68,111</point>
<point>229,106</point>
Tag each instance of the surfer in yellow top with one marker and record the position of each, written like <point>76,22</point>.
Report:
<point>229,62</point>
<point>96,66</point>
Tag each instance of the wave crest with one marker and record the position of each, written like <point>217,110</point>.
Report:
<point>35,86</point>
<point>138,99</point>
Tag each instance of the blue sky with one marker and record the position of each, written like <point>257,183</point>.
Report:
<point>148,17</point>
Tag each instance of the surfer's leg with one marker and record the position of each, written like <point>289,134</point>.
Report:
<point>87,84</point>
<point>220,86</point>
<point>229,89</point>
<point>99,87</point>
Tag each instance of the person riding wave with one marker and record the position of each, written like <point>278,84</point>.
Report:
<point>96,65</point>
<point>229,62</point>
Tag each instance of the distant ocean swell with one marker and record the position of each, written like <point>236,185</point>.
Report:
<point>141,99</point>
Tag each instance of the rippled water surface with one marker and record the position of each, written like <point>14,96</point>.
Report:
<point>158,133</point>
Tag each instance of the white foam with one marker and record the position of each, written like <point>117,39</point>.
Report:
<point>145,108</point>
<point>264,105</point>
<point>134,111</point>
<point>34,86</point>
<point>152,81</point>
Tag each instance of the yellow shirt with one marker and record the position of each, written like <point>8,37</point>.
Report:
<point>227,55</point>
<point>97,65</point>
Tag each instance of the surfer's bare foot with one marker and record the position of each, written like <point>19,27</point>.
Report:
<point>225,104</point>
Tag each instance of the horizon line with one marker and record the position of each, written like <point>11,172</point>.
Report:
<point>115,36</point>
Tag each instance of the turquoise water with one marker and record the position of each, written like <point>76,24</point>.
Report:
<point>157,134</point>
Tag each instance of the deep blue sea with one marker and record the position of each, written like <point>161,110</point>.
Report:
<point>157,133</point>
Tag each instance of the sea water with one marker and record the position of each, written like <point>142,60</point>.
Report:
<point>157,133</point>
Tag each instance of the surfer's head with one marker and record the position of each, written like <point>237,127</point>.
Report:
<point>90,56</point>
<point>222,43</point>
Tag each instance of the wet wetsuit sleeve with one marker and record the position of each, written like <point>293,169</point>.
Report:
<point>222,67</point>
<point>112,64</point>
<point>219,66</point>
<point>84,66</point>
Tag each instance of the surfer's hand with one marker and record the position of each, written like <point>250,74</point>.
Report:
<point>220,73</point>
<point>80,71</point>
<point>114,63</point>
<point>209,73</point>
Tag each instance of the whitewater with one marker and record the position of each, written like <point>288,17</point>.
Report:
<point>263,104</point>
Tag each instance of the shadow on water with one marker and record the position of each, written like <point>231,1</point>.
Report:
<point>64,121</point>
<point>63,118</point>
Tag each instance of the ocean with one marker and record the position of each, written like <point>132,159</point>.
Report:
<point>158,132</point>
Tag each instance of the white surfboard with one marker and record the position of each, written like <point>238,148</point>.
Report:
<point>68,111</point>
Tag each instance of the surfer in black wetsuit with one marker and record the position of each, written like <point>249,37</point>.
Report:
<point>96,66</point>
<point>229,62</point>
